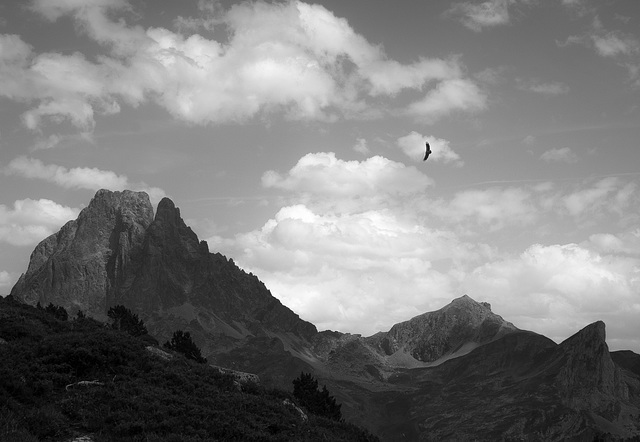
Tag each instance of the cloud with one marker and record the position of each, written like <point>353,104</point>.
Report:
<point>612,44</point>
<point>608,195</point>
<point>78,177</point>
<point>361,146</point>
<point>493,208</point>
<point>334,182</point>
<point>6,280</point>
<point>616,45</point>
<point>413,145</point>
<point>489,13</point>
<point>562,155</point>
<point>278,58</point>
<point>30,221</point>
<point>447,97</point>
<point>350,268</point>
<point>558,289</point>
<point>551,88</point>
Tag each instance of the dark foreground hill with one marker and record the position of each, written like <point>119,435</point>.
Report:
<point>65,379</point>
<point>461,372</point>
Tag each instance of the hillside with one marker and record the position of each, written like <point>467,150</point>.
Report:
<point>136,395</point>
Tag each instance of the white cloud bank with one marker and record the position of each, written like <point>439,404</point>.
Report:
<point>361,264</point>
<point>292,58</point>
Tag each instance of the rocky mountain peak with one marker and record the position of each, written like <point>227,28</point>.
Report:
<point>458,327</point>
<point>167,212</point>
<point>78,267</point>
<point>116,252</point>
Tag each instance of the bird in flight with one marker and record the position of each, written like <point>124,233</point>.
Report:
<point>427,152</point>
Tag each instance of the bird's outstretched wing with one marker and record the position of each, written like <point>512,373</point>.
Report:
<point>427,152</point>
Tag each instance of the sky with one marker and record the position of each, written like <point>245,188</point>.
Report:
<point>291,136</point>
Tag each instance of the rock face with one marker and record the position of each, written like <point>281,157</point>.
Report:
<point>116,252</point>
<point>588,377</point>
<point>82,266</point>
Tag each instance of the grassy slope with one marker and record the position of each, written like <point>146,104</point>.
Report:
<point>142,398</point>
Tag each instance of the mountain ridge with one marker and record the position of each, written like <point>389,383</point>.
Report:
<point>429,377</point>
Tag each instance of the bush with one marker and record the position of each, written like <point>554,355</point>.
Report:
<point>127,321</point>
<point>182,343</point>
<point>57,312</point>
<point>318,402</point>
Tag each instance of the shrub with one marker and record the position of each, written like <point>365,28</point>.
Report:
<point>182,343</point>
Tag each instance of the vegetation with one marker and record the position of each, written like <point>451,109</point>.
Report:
<point>131,394</point>
<point>318,402</point>
<point>182,343</point>
<point>56,311</point>
<point>127,321</point>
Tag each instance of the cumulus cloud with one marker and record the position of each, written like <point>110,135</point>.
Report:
<point>78,177</point>
<point>350,268</point>
<point>561,288</point>
<point>286,58</point>
<point>30,221</point>
<point>340,184</point>
<point>413,145</point>
<point>562,155</point>
<point>348,261</point>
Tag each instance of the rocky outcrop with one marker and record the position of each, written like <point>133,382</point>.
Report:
<point>430,336</point>
<point>82,266</point>
<point>588,378</point>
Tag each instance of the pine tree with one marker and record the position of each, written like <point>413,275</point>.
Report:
<point>182,343</point>
<point>57,311</point>
<point>127,321</point>
<point>318,402</point>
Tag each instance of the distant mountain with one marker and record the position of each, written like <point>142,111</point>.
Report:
<point>461,372</point>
